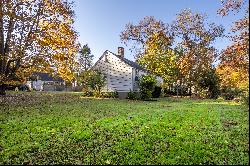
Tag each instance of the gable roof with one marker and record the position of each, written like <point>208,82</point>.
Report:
<point>125,60</point>
<point>46,77</point>
<point>130,63</point>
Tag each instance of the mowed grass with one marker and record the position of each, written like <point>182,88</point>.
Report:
<point>64,128</point>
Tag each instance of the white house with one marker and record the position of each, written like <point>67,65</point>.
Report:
<point>45,82</point>
<point>121,74</point>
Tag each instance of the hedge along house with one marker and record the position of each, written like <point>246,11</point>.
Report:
<point>122,75</point>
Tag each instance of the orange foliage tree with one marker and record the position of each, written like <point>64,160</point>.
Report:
<point>234,65</point>
<point>36,35</point>
<point>194,38</point>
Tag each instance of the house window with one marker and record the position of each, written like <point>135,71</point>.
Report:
<point>136,72</point>
<point>106,58</point>
<point>136,78</point>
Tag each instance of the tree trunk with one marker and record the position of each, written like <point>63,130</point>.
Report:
<point>2,89</point>
<point>181,92</point>
<point>2,53</point>
<point>177,91</point>
<point>163,89</point>
<point>190,90</point>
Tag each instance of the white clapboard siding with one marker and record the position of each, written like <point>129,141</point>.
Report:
<point>118,73</point>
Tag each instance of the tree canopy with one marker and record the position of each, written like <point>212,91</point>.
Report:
<point>36,35</point>
<point>195,35</point>
<point>234,65</point>
<point>178,52</point>
<point>85,58</point>
<point>151,43</point>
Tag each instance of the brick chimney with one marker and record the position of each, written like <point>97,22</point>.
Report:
<point>121,52</point>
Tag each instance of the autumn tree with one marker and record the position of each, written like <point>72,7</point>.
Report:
<point>195,36</point>
<point>159,58</point>
<point>36,35</point>
<point>151,42</point>
<point>85,58</point>
<point>234,59</point>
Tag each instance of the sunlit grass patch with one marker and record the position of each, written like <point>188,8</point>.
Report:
<point>219,103</point>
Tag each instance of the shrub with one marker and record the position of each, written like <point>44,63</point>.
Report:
<point>132,95</point>
<point>147,84</point>
<point>202,93</point>
<point>109,94</point>
<point>97,94</point>
<point>93,80</point>
<point>246,100</point>
<point>88,94</point>
<point>209,83</point>
<point>157,92</point>
<point>230,93</point>
<point>114,94</point>
<point>245,96</point>
<point>96,81</point>
<point>18,87</point>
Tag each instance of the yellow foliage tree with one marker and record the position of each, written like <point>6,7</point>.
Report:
<point>234,65</point>
<point>151,40</point>
<point>36,35</point>
<point>159,58</point>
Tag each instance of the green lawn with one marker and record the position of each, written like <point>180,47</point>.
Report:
<point>64,128</point>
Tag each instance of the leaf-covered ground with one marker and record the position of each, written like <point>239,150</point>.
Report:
<point>64,128</point>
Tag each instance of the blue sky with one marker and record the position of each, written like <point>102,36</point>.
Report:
<point>100,22</point>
